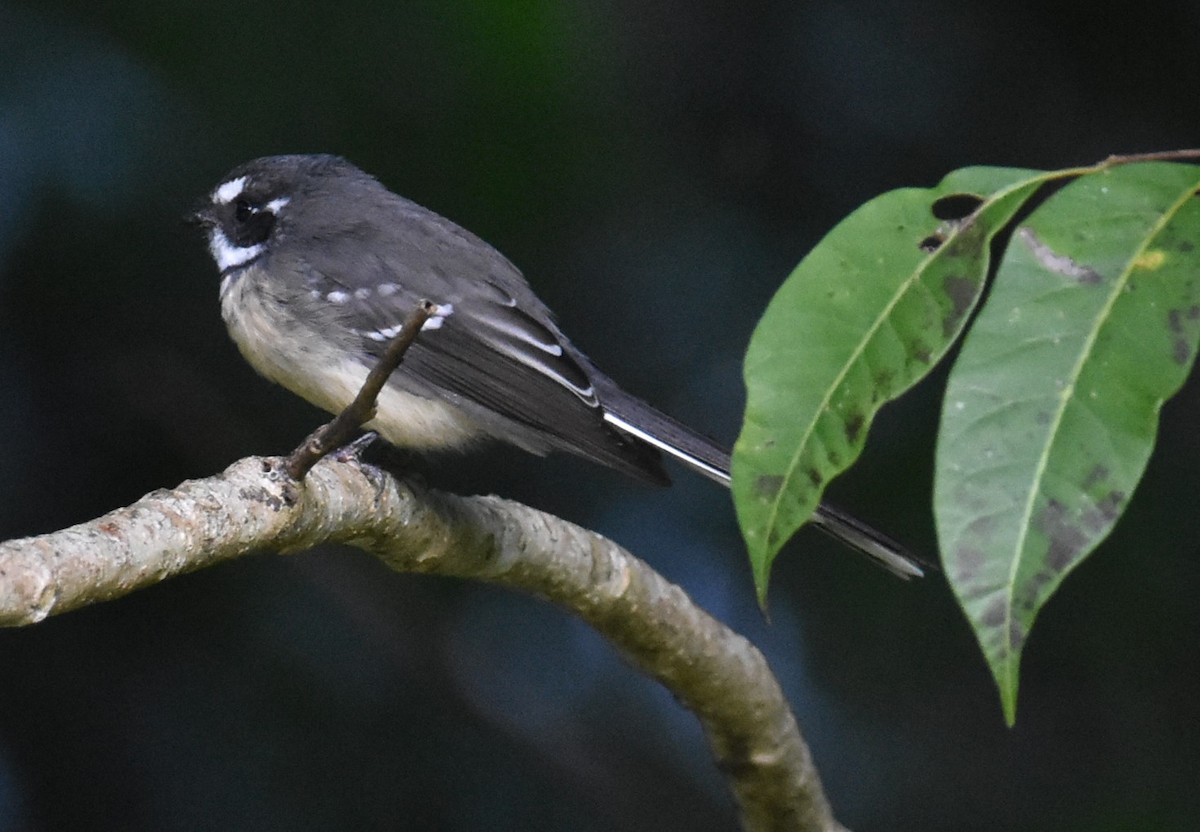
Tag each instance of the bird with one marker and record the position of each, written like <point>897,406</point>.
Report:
<point>319,266</point>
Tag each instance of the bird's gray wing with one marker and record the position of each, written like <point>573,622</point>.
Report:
<point>495,352</point>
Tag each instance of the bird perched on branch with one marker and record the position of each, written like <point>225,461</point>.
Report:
<point>320,265</point>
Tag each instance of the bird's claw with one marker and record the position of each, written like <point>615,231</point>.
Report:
<point>352,451</point>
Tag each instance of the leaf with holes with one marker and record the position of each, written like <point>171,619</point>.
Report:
<point>862,318</point>
<point>1051,409</point>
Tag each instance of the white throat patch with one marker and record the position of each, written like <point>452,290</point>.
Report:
<point>229,256</point>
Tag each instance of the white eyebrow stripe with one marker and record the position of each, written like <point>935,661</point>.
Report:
<point>230,191</point>
<point>276,204</point>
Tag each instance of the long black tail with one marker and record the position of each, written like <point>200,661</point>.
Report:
<point>638,419</point>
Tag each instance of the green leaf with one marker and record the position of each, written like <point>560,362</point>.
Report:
<point>1051,409</point>
<point>862,318</point>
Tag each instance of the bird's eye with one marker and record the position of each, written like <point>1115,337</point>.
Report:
<point>243,210</point>
<point>252,223</point>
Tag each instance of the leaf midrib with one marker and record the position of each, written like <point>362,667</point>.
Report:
<point>1102,317</point>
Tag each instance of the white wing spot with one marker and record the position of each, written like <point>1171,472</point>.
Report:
<point>230,191</point>
<point>440,313</point>
<point>381,335</point>
<point>363,293</point>
<point>435,321</point>
<point>385,289</point>
<point>337,297</point>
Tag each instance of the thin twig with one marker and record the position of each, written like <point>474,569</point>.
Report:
<point>335,434</point>
<point>1184,155</point>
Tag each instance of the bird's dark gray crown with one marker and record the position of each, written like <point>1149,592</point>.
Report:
<point>244,211</point>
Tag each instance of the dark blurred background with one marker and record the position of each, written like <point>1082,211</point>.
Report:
<point>656,167</point>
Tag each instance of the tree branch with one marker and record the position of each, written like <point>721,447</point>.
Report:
<point>255,505</point>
